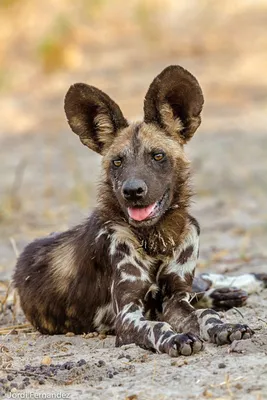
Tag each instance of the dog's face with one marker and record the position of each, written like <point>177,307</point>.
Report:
<point>141,165</point>
<point>144,162</point>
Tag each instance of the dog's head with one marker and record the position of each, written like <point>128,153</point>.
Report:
<point>144,162</point>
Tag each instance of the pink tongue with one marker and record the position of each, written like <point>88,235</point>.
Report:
<point>139,214</point>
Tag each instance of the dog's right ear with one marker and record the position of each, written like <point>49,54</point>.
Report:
<point>93,116</point>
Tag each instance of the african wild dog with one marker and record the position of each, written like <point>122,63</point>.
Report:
<point>129,268</point>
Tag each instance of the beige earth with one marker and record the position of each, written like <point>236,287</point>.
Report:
<point>48,180</point>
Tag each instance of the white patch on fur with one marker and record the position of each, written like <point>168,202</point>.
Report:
<point>191,239</point>
<point>115,304</point>
<point>144,276</point>
<point>203,327</point>
<point>134,318</point>
<point>102,232</point>
<point>246,282</point>
<point>154,289</point>
<point>128,277</point>
<point>62,265</point>
<point>122,235</point>
<point>103,313</point>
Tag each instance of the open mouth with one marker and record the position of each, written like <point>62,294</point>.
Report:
<point>149,212</point>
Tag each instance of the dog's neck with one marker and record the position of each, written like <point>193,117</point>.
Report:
<point>166,235</point>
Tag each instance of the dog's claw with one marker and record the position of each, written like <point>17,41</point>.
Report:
<point>227,333</point>
<point>183,344</point>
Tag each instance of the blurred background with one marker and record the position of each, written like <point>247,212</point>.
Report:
<point>48,179</point>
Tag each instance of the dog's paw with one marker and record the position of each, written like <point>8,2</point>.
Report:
<point>227,333</point>
<point>225,298</point>
<point>183,344</point>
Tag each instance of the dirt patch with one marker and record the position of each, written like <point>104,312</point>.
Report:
<point>236,371</point>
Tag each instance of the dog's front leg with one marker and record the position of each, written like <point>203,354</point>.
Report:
<point>182,316</point>
<point>129,288</point>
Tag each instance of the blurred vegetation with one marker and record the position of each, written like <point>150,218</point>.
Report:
<point>54,35</point>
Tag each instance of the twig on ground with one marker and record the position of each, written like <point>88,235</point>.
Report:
<point>3,302</point>
<point>262,320</point>
<point>239,312</point>
<point>14,246</point>
<point>63,355</point>
<point>5,330</point>
<point>226,382</point>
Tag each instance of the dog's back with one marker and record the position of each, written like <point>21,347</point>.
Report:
<point>62,279</point>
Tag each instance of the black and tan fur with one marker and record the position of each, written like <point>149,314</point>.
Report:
<point>114,273</point>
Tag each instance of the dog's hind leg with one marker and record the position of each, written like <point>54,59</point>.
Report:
<point>223,292</point>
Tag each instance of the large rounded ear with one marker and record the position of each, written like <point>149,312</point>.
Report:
<point>93,116</point>
<point>174,102</point>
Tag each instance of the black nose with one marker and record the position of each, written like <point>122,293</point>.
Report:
<point>134,189</point>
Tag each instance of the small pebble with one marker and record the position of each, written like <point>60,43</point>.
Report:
<point>10,377</point>
<point>13,385</point>
<point>102,336</point>
<point>69,365</point>
<point>81,362</point>
<point>89,335</point>
<point>70,334</point>
<point>13,390</point>
<point>207,393</point>
<point>41,381</point>
<point>110,375</point>
<point>46,361</point>
<point>21,386</point>
<point>221,365</point>
<point>101,363</point>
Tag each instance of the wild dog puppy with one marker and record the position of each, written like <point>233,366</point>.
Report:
<point>129,268</point>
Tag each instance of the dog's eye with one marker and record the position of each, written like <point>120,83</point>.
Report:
<point>117,163</point>
<point>158,156</point>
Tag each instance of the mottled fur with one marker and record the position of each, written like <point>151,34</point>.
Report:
<point>115,272</point>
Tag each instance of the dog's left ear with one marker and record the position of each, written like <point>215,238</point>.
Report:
<point>174,102</point>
